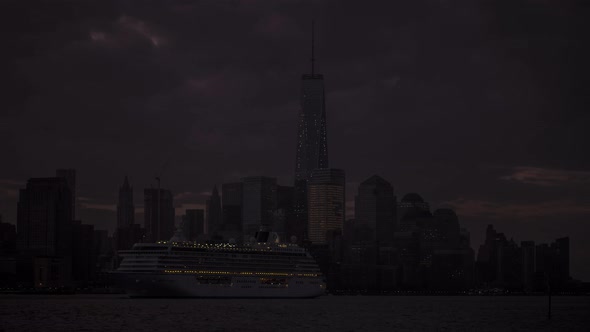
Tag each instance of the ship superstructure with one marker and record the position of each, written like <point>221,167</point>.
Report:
<point>190,269</point>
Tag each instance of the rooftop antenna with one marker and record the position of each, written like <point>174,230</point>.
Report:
<point>312,45</point>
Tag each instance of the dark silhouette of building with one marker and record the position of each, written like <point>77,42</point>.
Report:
<point>214,213</point>
<point>375,207</point>
<point>231,197</point>
<point>70,176</point>
<point>8,276</point>
<point>103,247</point>
<point>411,209</point>
<point>128,232</point>
<point>52,271</point>
<point>7,238</point>
<point>428,252</point>
<point>561,249</point>
<point>83,253</point>
<point>125,207</point>
<point>125,237</point>
<point>283,217</point>
<point>193,224</point>
<point>553,264</point>
<point>326,203</point>
<point>312,141</point>
<point>259,203</point>
<point>489,257</point>
<point>159,215</point>
<point>528,264</point>
<point>44,223</point>
<point>503,264</point>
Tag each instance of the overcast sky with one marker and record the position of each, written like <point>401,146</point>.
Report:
<point>477,105</point>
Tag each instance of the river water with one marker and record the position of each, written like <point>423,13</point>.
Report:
<point>328,313</point>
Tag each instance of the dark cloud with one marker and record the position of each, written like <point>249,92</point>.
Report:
<point>476,104</point>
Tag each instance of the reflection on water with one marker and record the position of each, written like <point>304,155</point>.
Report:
<point>340,313</point>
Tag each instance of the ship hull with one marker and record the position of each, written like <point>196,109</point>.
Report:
<point>188,285</point>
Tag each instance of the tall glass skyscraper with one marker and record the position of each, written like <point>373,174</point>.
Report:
<point>312,142</point>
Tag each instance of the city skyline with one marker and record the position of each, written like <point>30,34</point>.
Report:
<point>494,155</point>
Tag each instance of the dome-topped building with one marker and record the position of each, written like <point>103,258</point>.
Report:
<point>411,208</point>
<point>413,200</point>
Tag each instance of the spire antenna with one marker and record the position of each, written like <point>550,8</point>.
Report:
<point>312,46</point>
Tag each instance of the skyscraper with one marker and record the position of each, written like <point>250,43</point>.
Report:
<point>283,221</point>
<point>70,176</point>
<point>375,207</point>
<point>128,232</point>
<point>193,223</point>
<point>411,209</point>
<point>259,203</point>
<point>326,202</point>
<point>125,208</point>
<point>83,255</point>
<point>213,207</point>
<point>44,223</point>
<point>231,198</point>
<point>312,140</point>
<point>528,264</point>
<point>158,214</point>
<point>7,238</point>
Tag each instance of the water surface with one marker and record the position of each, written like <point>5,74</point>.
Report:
<point>328,313</point>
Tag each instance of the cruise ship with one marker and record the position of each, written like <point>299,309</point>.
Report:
<point>258,269</point>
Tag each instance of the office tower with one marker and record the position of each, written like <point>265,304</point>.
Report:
<point>411,209</point>
<point>125,237</point>
<point>375,206</point>
<point>447,230</point>
<point>125,207</point>
<point>70,176</point>
<point>285,197</point>
<point>103,248</point>
<point>7,238</point>
<point>326,202</point>
<point>231,198</point>
<point>284,223</point>
<point>259,202</point>
<point>158,214</point>
<point>213,207</point>
<point>488,255</point>
<point>128,232</point>
<point>528,264</point>
<point>499,261</point>
<point>552,263</point>
<point>83,252</point>
<point>44,223</point>
<point>193,223</point>
<point>312,141</point>
<point>561,248</point>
